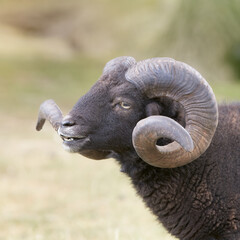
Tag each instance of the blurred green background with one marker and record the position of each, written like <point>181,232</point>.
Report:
<point>57,49</point>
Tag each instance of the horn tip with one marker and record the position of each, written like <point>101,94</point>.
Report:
<point>189,147</point>
<point>40,124</point>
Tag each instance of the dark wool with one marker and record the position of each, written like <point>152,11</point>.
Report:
<point>200,200</point>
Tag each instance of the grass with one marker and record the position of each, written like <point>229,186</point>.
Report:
<point>27,82</point>
<point>46,193</point>
<point>227,91</point>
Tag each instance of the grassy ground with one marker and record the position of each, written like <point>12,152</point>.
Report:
<point>46,193</point>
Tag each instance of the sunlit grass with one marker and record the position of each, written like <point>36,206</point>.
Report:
<point>27,82</point>
<point>46,193</point>
<point>227,91</point>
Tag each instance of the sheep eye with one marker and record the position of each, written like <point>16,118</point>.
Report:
<point>125,105</point>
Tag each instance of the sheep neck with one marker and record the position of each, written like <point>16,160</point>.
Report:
<point>165,191</point>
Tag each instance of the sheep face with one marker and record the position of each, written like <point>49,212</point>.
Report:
<point>102,121</point>
<point>115,115</point>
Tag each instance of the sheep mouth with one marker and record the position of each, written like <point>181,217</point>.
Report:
<point>71,139</point>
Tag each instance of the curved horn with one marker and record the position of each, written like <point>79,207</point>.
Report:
<point>51,112</point>
<point>119,64</point>
<point>160,77</point>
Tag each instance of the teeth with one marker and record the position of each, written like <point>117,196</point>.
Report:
<point>68,139</point>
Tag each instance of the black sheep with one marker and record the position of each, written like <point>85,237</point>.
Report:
<point>159,119</point>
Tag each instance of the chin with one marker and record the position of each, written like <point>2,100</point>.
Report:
<point>69,149</point>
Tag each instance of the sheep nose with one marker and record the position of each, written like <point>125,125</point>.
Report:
<point>68,122</point>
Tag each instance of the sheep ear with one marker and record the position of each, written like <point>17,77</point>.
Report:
<point>153,108</point>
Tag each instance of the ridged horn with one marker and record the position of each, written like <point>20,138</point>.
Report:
<point>165,77</point>
<point>51,112</point>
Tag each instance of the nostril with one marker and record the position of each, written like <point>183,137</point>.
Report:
<point>68,122</point>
